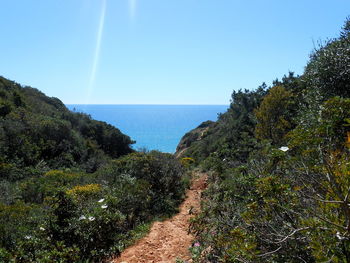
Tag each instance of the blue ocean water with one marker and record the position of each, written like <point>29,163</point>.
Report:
<point>154,127</point>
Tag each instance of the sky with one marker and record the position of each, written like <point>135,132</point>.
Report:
<point>160,51</point>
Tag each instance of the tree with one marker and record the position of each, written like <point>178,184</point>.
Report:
<point>328,70</point>
<point>273,117</point>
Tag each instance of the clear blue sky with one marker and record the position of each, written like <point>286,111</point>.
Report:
<point>159,51</point>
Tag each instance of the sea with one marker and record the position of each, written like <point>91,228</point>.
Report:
<point>153,127</point>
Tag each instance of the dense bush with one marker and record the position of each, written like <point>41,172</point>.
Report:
<point>287,200</point>
<point>35,129</point>
<point>232,135</point>
<point>328,70</point>
<point>161,171</point>
<point>72,216</point>
<point>273,115</point>
<point>65,197</point>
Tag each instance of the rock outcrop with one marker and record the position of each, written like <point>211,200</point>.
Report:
<point>192,136</point>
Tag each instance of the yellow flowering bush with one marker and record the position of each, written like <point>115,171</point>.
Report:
<point>187,161</point>
<point>85,191</point>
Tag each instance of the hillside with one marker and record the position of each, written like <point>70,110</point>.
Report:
<point>38,130</point>
<point>279,162</point>
<point>192,136</point>
<point>276,166</point>
<point>72,189</point>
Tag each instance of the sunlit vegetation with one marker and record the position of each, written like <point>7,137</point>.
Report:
<point>72,189</point>
<point>70,217</point>
<point>279,164</point>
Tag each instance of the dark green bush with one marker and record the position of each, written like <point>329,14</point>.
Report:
<point>70,215</point>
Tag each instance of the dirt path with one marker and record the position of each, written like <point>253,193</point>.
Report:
<point>168,240</point>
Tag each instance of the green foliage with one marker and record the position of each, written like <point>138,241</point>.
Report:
<point>162,172</point>
<point>11,218</point>
<point>231,137</point>
<point>328,132</point>
<point>5,108</point>
<point>35,129</point>
<point>273,115</point>
<point>64,198</point>
<point>289,203</point>
<point>187,162</point>
<point>328,69</point>
<point>72,216</point>
<point>66,201</point>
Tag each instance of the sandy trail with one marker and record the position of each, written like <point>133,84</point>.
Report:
<point>168,240</point>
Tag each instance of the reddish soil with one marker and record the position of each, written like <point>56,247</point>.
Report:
<point>168,240</point>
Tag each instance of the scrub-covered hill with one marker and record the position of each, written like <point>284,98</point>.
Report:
<point>71,188</point>
<point>39,130</point>
<point>280,163</point>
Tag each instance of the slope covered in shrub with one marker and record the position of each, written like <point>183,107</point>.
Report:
<point>72,189</point>
<point>280,165</point>
<point>36,130</point>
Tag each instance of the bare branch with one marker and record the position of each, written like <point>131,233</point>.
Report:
<point>327,201</point>
<point>329,222</point>
<point>269,253</point>
<point>347,196</point>
<point>291,234</point>
<point>241,260</point>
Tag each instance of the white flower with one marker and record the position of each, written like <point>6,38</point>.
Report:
<point>41,228</point>
<point>91,218</point>
<point>284,148</point>
<point>339,236</point>
<point>104,206</point>
<point>82,217</point>
<point>28,237</point>
<point>101,200</point>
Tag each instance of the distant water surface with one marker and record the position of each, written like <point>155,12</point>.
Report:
<point>154,127</point>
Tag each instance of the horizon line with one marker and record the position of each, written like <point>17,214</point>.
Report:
<point>145,104</point>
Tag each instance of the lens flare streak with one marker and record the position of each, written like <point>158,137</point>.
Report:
<point>97,51</point>
<point>132,9</point>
